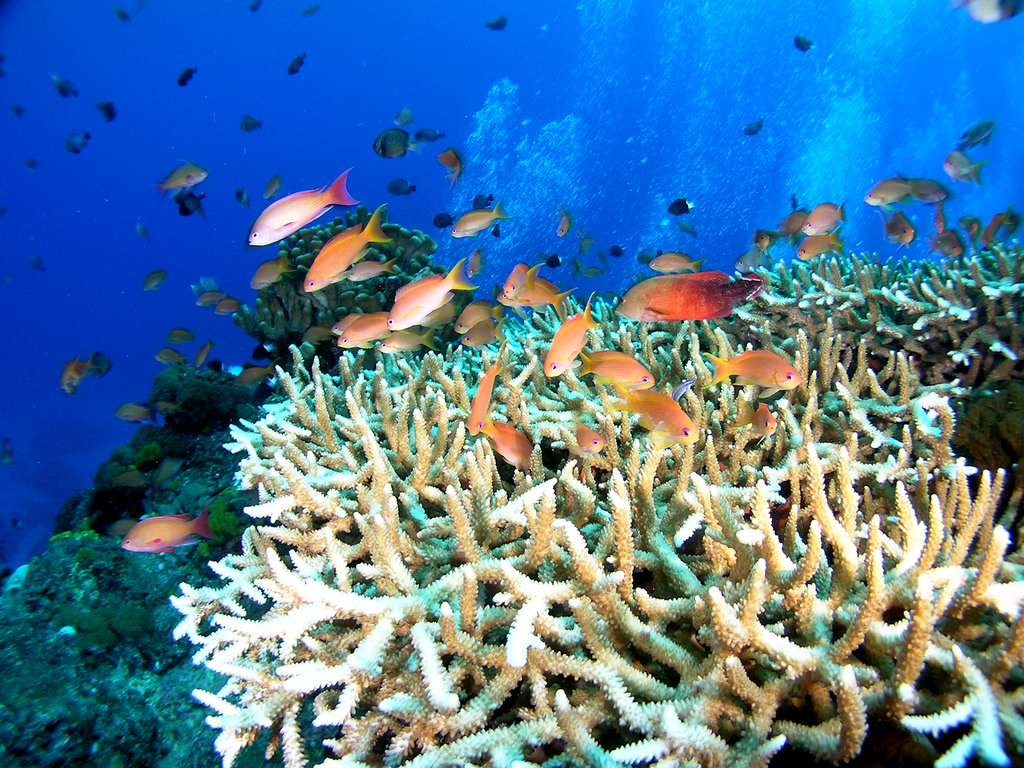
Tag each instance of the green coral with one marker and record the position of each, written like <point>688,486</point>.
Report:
<point>148,456</point>
<point>226,524</point>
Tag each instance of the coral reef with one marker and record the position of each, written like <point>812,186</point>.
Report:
<point>405,597</point>
<point>959,317</point>
<point>284,312</point>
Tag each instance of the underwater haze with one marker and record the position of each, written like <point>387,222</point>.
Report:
<point>609,110</point>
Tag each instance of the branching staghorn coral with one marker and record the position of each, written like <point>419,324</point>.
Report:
<point>960,317</point>
<point>421,603</point>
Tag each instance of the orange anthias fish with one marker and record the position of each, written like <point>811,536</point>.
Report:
<point>74,371</point>
<point>185,175</point>
<point>342,251</point>
<point>991,230</point>
<point>564,223</point>
<point>616,368</point>
<point>568,341</point>
<point>898,229</point>
<point>759,366</point>
<point>888,191</point>
<point>816,245</point>
<point>415,300</point>
<point>269,272</point>
<point>473,223</point>
<point>762,420</point>
<point>358,330</point>
<point>167,532</point>
<point>960,168</point>
<point>450,159</point>
<point>477,312</point>
<point>823,219</point>
<point>700,296</point>
<point>674,263</point>
<point>479,409</point>
<point>590,442</point>
<point>662,416</point>
<point>292,213</point>
<point>947,243</point>
<point>511,444</point>
<point>136,413</point>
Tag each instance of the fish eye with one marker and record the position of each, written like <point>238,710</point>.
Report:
<point>255,236</point>
<point>686,433</point>
<point>596,442</point>
<point>789,376</point>
<point>310,283</point>
<point>645,379</point>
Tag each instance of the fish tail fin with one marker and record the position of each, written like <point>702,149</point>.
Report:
<point>587,364</point>
<point>387,267</point>
<point>416,147</point>
<point>458,280</point>
<point>974,172</point>
<point>499,212</point>
<point>837,243</point>
<point>721,369</point>
<point>373,231</point>
<point>201,525</point>
<point>696,264</point>
<point>499,332</point>
<point>588,315</point>
<point>337,193</point>
<point>558,302</point>
<point>744,414</point>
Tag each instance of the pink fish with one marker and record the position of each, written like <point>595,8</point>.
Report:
<point>292,213</point>
<point>166,532</point>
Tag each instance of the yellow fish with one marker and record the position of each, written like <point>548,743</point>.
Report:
<point>342,251</point>
<point>415,300</point>
<point>511,444</point>
<point>481,405</point>
<point>568,341</point>
<point>662,416</point>
<point>758,366</point>
<point>762,420</point>
<point>473,223</point>
<point>610,366</point>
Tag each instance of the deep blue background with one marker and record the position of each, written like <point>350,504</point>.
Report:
<point>611,109</point>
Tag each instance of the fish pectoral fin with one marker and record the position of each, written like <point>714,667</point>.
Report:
<point>768,391</point>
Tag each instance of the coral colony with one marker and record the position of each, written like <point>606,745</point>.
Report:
<point>405,596</point>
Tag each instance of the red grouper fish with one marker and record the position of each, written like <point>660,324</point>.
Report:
<point>699,296</point>
<point>290,214</point>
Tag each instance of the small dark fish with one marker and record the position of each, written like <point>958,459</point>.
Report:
<point>496,231</point>
<point>18,110</point>
<point>647,255</point>
<point>428,134</point>
<point>803,43</point>
<point>3,210</point>
<point>31,163</point>
<point>482,201</point>
<point>260,352</point>
<point>687,227</point>
<point>296,64</point>
<point>400,187</point>
<point>679,207</point>
<point>981,133</point>
<point>755,127</point>
<point>107,108</point>
<point>242,197</point>
<point>185,76</point>
<point>392,142</point>
<point>74,143</point>
<point>255,5</point>
<point>122,14</point>
<point>189,202</point>
<point>64,87</point>
<point>36,263</point>
<point>443,221</point>
<point>250,124</point>
<point>616,251</point>
<point>311,10</point>
<point>498,23</point>
<point>553,261</point>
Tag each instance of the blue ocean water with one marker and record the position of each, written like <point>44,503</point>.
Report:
<point>608,109</point>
